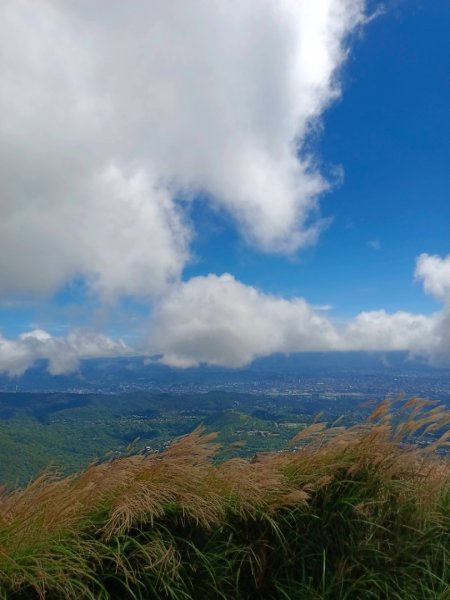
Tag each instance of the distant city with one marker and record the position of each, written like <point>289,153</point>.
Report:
<point>312,376</point>
<point>108,404</point>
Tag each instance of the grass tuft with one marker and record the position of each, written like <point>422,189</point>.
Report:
<point>344,513</point>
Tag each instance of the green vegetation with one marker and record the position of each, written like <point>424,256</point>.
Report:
<point>69,431</point>
<point>344,513</point>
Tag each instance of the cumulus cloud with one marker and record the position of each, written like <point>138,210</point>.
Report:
<point>113,118</point>
<point>380,330</point>
<point>219,320</point>
<point>62,353</point>
<point>434,271</point>
<point>110,114</point>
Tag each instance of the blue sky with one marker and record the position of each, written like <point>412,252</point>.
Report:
<point>144,162</point>
<point>390,133</point>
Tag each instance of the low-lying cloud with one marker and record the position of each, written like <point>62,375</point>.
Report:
<point>218,320</point>
<point>61,353</point>
<point>221,321</point>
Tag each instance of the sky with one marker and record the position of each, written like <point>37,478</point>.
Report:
<point>215,182</point>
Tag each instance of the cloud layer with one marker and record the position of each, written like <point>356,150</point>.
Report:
<point>218,320</point>
<point>221,321</point>
<point>61,353</point>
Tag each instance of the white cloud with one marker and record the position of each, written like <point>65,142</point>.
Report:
<point>109,113</point>
<point>440,352</point>
<point>434,271</point>
<point>219,320</point>
<point>62,353</point>
<point>379,330</point>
